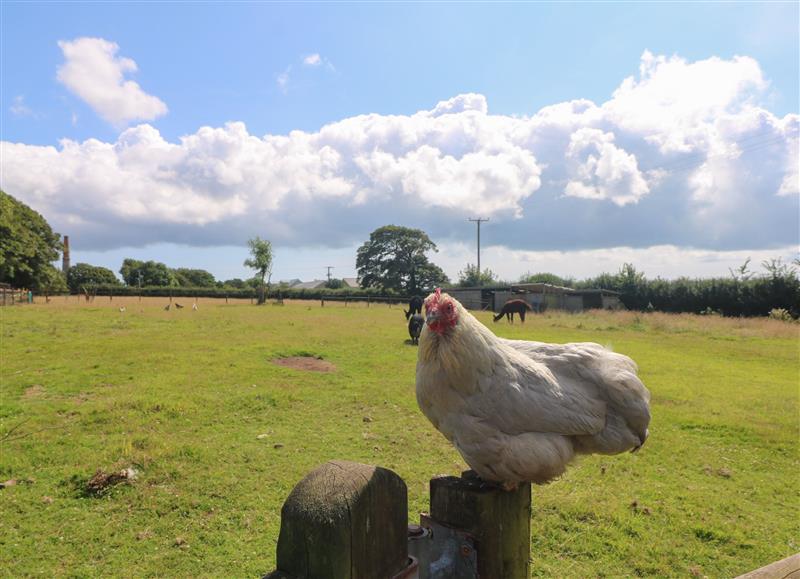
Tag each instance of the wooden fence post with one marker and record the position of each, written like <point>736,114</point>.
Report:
<point>499,520</point>
<point>344,520</point>
<point>788,568</point>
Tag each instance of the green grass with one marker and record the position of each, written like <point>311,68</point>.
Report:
<point>182,396</point>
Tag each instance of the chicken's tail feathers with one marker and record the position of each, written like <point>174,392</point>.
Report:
<point>498,316</point>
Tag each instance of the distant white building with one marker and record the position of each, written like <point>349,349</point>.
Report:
<point>349,282</point>
<point>317,283</point>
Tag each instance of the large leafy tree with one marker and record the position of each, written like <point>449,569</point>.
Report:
<point>53,282</point>
<point>82,275</point>
<point>150,273</point>
<point>28,246</point>
<point>235,282</point>
<point>334,283</point>
<point>471,277</point>
<point>194,277</point>
<point>395,258</point>
<point>546,277</point>
<point>261,261</point>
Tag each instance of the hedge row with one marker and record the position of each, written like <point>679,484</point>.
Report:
<point>731,298</point>
<point>214,292</point>
<point>728,296</point>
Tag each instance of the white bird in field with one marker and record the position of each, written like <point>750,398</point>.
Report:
<point>194,307</point>
<point>520,411</point>
<point>122,309</point>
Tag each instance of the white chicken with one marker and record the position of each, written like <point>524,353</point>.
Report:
<point>519,411</point>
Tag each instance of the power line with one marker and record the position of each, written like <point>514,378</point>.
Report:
<point>479,221</point>
<point>692,163</point>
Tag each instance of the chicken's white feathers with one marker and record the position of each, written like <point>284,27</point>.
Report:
<point>519,411</point>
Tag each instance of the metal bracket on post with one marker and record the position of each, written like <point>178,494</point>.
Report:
<point>443,552</point>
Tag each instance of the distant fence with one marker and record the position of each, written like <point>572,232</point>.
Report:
<point>369,300</point>
<point>10,296</point>
<point>346,295</point>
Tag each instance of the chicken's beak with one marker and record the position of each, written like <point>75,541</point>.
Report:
<point>431,316</point>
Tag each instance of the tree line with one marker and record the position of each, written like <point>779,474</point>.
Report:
<point>392,262</point>
<point>137,273</point>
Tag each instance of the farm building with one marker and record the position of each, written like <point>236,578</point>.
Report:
<point>347,282</point>
<point>315,284</point>
<point>540,296</point>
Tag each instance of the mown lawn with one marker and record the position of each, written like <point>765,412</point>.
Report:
<point>183,397</point>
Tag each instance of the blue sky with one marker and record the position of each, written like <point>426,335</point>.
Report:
<point>322,122</point>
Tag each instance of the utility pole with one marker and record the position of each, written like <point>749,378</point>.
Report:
<point>330,267</point>
<point>479,221</point>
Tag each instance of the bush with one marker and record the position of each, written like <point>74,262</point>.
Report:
<point>780,314</point>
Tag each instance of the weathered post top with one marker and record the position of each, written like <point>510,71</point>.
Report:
<point>344,520</point>
<point>499,520</point>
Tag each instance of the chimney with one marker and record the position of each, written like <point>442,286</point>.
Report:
<point>65,261</point>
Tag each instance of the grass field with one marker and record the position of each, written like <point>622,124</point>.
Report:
<point>219,435</point>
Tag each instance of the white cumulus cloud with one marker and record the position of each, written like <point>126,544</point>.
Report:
<point>93,71</point>
<point>662,162</point>
<point>312,60</point>
<point>602,170</point>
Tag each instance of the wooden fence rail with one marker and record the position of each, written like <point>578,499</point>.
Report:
<point>10,296</point>
<point>368,299</point>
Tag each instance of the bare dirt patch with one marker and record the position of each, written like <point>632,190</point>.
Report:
<point>307,363</point>
<point>81,398</point>
<point>35,391</point>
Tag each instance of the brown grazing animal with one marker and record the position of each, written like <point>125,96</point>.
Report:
<point>520,411</point>
<point>512,307</point>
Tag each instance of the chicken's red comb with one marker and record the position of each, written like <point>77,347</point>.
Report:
<point>434,298</point>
